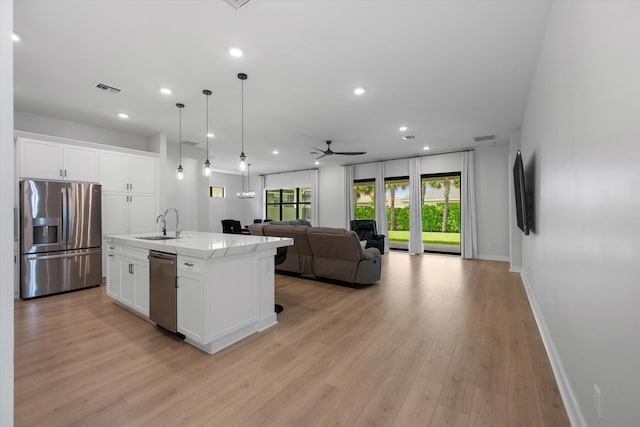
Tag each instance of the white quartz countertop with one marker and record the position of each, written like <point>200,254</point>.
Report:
<point>202,245</point>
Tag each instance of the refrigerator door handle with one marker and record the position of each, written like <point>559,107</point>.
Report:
<point>65,220</point>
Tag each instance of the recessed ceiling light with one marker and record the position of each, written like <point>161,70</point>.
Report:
<point>16,37</point>
<point>317,162</point>
<point>403,128</point>
<point>166,91</point>
<point>123,115</point>
<point>426,147</point>
<point>275,152</point>
<point>236,52</point>
<point>210,135</point>
<point>359,90</point>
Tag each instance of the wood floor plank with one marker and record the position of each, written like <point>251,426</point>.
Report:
<point>438,341</point>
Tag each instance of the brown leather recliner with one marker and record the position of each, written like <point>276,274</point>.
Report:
<point>333,253</point>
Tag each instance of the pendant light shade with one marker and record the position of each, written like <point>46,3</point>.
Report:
<point>206,167</point>
<point>243,157</point>
<point>180,170</point>
<point>247,193</point>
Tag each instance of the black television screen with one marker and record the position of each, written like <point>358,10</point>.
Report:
<point>522,213</point>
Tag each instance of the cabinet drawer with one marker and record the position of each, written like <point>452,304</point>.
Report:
<point>135,253</point>
<point>190,265</point>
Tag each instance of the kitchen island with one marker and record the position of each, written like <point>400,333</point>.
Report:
<point>225,282</point>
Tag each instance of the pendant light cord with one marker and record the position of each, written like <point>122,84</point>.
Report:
<point>180,135</point>
<point>242,114</point>
<point>207,135</point>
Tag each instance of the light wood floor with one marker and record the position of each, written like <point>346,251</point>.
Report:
<point>438,341</point>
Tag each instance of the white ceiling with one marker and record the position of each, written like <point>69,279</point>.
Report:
<point>449,70</point>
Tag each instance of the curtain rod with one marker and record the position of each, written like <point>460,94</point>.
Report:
<point>410,157</point>
<point>293,171</point>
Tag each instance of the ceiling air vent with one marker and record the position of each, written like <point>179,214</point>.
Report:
<point>408,137</point>
<point>237,4</point>
<point>109,89</point>
<point>484,138</point>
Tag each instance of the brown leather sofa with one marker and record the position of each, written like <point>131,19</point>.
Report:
<point>323,252</point>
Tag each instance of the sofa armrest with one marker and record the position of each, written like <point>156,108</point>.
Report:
<point>371,253</point>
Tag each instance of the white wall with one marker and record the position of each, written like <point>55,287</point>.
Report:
<point>580,148</point>
<point>515,235</point>
<point>6,213</point>
<point>230,207</point>
<point>331,197</point>
<point>29,122</point>
<point>492,205</point>
<point>190,195</point>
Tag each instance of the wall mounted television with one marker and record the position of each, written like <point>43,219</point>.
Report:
<point>522,206</point>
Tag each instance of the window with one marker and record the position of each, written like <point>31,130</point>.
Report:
<point>217,192</point>
<point>364,196</point>
<point>441,212</point>
<point>288,203</point>
<point>398,210</point>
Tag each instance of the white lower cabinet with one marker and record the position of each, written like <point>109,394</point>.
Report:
<point>113,272</point>
<point>128,277</point>
<point>190,306</point>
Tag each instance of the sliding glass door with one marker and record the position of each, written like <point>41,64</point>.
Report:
<point>398,210</point>
<point>441,212</point>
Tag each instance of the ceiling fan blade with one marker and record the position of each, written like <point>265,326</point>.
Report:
<point>322,150</point>
<point>318,158</point>
<point>350,153</point>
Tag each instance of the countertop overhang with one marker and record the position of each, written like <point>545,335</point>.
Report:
<point>203,245</point>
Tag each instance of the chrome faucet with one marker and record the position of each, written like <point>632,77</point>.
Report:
<point>178,231</point>
<point>164,223</point>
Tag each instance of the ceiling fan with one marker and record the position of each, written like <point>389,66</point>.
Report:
<point>330,152</point>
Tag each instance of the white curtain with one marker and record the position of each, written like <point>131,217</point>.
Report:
<point>469,238</point>
<point>261,197</point>
<point>381,209</point>
<point>348,195</point>
<point>415,201</point>
<point>314,197</point>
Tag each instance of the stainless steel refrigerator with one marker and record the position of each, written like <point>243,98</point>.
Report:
<point>60,237</point>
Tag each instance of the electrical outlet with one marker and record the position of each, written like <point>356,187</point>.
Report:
<point>597,400</point>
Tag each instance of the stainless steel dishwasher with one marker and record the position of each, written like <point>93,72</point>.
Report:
<point>163,295</point>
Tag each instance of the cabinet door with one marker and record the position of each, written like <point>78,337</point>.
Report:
<point>142,287</point>
<point>81,164</point>
<point>127,282</point>
<point>115,213</point>
<point>142,213</point>
<point>142,174</point>
<point>114,171</point>
<point>113,276</point>
<point>40,159</point>
<point>190,311</point>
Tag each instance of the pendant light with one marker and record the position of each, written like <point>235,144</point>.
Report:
<point>243,157</point>
<point>180,171</point>
<point>206,167</point>
<point>247,193</point>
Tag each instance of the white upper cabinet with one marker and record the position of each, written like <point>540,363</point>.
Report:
<point>114,168</point>
<point>50,160</point>
<point>142,174</point>
<point>127,172</point>
<point>80,163</point>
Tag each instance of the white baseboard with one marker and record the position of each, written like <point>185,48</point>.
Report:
<point>493,257</point>
<point>566,392</point>
<point>515,269</point>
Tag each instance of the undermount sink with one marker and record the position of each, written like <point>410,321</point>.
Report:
<point>157,237</point>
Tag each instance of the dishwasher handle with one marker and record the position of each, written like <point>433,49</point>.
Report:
<point>162,258</point>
